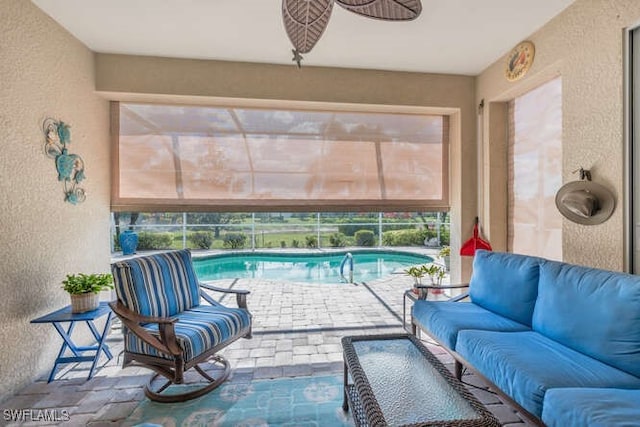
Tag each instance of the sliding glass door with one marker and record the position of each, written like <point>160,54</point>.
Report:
<point>633,105</point>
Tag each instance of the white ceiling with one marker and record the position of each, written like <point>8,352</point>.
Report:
<point>450,36</point>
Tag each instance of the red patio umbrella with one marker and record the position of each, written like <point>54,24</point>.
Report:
<point>476,242</point>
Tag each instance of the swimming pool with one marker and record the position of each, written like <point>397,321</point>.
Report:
<point>313,268</point>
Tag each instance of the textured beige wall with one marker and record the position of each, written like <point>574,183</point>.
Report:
<point>584,45</point>
<point>44,72</point>
<point>145,75</point>
<point>139,78</point>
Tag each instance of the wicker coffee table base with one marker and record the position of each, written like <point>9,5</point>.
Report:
<point>357,411</point>
<point>360,396</point>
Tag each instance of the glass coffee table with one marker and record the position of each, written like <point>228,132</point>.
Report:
<point>397,381</point>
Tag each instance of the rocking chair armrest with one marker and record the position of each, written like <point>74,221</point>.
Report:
<point>225,290</point>
<point>122,311</point>
<point>167,342</point>
<point>241,298</point>
<point>241,294</point>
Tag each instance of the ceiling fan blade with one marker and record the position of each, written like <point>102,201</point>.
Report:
<point>388,10</point>
<point>305,21</point>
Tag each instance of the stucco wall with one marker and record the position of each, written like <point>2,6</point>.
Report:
<point>44,72</point>
<point>585,46</point>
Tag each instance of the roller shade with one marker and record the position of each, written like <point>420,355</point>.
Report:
<point>535,169</point>
<point>172,157</point>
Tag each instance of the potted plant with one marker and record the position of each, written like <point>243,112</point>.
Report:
<point>436,274</point>
<point>417,272</point>
<point>85,289</point>
<point>445,254</point>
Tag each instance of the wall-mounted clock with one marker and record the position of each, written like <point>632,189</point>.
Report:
<point>519,61</point>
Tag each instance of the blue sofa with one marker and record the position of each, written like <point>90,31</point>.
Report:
<point>557,339</point>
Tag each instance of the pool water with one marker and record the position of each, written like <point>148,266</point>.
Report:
<point>310,268</point>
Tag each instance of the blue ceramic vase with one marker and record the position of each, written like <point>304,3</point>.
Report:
<point>129,242</point>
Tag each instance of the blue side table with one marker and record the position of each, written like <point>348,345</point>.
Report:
<point>64,315</point>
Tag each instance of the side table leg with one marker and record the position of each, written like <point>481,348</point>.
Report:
<point>101,337</point>
<point>102,347</point>
<point>66,339</point>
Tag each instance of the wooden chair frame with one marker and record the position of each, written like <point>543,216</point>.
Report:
<point>173,369</point>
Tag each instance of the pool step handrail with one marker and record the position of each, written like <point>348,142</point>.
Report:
<point>347,257</point>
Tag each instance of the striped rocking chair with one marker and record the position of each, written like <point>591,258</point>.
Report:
<point>165,326</point>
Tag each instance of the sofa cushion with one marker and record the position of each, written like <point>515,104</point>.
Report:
<point>159,285</point>
<point>595,312</point>
<point>594,407</point>
<point>443,319</point>
<point>526,364</point>
<point>197,330</point>
<point>506,284</point>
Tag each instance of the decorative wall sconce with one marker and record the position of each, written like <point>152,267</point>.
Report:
<point>70,167</point>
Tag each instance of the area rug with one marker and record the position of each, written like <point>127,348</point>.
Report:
<point>301,401</point>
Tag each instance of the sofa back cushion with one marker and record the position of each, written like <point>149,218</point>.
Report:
<point>595,312</point>
<point>159,285</point>
<point>506,284</point>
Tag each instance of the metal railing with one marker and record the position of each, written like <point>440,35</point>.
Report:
<point>317,231</point>
<point>347,258</point>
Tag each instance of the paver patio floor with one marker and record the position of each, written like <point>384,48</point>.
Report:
<point>296,332</point>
